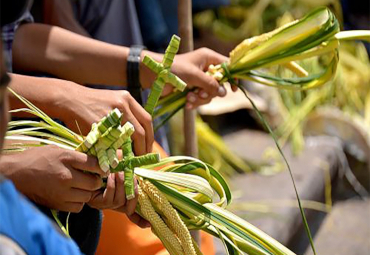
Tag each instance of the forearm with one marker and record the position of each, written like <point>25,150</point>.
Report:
<point>49,95</point>
<point>69,56</point>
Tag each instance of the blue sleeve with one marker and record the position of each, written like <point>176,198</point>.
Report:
<point>28,227</point>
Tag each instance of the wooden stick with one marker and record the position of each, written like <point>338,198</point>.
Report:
<point>186,33</point>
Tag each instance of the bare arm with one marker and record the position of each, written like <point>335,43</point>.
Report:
<point>69,56</point>
<point>46,93</point>
<point>56,51</point>
<point>73,103</point>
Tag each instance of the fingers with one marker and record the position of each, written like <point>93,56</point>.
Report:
<point>119,154</point>
<point>233,85</point>
<point>85,181</point>
<point>208,83</point>
<point>96,200</point>
<point>212,58</point>
<point>138,220</point>
<point>79,196</point>
<point>205,82</point>
<point>195,99</point>
<point>104,199</point>
<point>200,97</point>
<point>108,194</point>
<point>113,196</point>
<point>73,207</point>
<point>234,88</point>
<point>131,204</point>
<point>146,121</point>
<point>194,75</point>
<point>75,200</point>
<point>82,161</point>
<point>119,195</point>
<point>143,137</point>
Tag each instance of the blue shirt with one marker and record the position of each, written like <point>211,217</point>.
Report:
<point>24,225</point>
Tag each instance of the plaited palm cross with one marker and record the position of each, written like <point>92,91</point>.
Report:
<point>164,75</point>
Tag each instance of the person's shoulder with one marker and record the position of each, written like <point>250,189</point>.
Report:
<point>11,238</point>
<point>23,225</point>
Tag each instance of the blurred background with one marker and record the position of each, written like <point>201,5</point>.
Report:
<point>325,131</point>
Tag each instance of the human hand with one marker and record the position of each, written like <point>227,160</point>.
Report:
<point>191,68</point>
<point>114,197</point>
<point>54,177</point>
<point>86,106</point>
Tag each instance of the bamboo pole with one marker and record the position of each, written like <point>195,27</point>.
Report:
<point>186,33</point>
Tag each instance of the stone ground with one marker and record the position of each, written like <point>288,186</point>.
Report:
<point>345,230</point>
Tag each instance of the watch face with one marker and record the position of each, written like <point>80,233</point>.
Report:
<point>11,10</point>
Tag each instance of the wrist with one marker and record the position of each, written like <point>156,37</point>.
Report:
<point>133,72</point>
<point>65,100</point>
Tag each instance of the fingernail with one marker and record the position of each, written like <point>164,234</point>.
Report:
<point>121,176</point>
<point>221,91</point>
<point>204,95</point>
<point>192,99</point>
<point>189,106</point>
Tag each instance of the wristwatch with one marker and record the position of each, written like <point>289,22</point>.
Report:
<point>133,78</point>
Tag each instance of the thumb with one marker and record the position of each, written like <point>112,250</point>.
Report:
<point>84,162</point>
<point>207,83</point>
<point>213,58</point>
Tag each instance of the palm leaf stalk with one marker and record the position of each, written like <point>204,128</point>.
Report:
<point>344,99</point>
<point>349,92</point>
<point>317,35</point>
<point>164,75</point>
<point>187,184</point>
<point>312,36</point>
<point>243,19</point>
<point>208,138</point>
<point>214,151</point>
